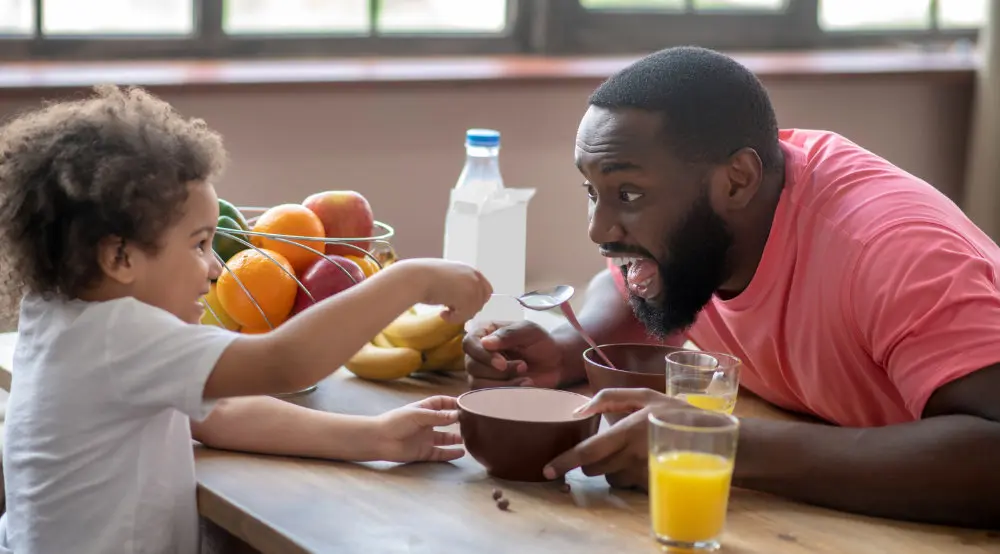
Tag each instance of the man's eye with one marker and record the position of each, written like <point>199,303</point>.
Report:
<point>629,196</point>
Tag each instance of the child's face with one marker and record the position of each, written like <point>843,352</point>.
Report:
<point>180,273</point>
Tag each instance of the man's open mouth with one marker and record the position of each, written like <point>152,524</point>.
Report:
<point>642,275</point>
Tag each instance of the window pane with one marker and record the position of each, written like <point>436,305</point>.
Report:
<point>961,13</point>
<point>863,15</point>
<point>676,5</point>
<point>443,16</point>
<point>16,17</point>
<point>741,5</point>
<point>295,16</point>
<point>106,17</point>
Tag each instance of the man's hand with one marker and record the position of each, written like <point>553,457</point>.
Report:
<point>621,452</point>
<point>407,434</point>
<point>516,354</point>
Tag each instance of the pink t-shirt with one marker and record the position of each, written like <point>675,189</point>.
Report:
<point>873,291</point>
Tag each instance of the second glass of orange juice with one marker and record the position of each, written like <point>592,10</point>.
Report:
<point>691,455</point>
<point>708,380</point>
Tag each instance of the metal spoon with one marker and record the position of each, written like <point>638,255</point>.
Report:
<point>558,297</point>
<point>544,299</point>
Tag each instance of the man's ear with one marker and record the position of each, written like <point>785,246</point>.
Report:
<point>743,175</point>
<point>114,255</point>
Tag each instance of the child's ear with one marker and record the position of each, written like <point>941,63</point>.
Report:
<point>114,255</point>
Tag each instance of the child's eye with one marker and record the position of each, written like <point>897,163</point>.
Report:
<point>629,196</point>
<point>203,246</point>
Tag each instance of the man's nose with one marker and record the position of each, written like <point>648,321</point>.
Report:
<point>604,225</point>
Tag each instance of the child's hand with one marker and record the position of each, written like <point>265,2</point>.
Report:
<point>407,434</point>
<point>459,287</point>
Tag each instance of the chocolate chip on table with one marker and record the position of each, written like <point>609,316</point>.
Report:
<point>503,504</point>
<point>564,487</point>
<point>497,493</point>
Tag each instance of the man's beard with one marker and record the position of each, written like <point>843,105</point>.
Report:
<point>697,264</point>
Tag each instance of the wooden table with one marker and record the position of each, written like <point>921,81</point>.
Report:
<point>289,505</point>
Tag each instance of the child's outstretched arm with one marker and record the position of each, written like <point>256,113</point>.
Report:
<point>314,343</point>
<point>270,426</point>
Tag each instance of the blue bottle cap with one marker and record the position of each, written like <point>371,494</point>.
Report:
<point>482,137</point>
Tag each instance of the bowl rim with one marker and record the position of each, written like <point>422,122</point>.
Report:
<point>587,360</point>
<point>463,408</point>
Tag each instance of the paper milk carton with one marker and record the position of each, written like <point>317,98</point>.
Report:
<point>486,225</point>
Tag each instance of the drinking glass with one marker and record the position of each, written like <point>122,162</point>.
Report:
<point>708,380</point>
<point>691,455</point>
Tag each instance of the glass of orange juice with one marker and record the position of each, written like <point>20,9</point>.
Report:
<point>708,380</point>
<point>691,455</point>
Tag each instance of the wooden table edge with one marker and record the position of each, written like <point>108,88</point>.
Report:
<point>229,515</point>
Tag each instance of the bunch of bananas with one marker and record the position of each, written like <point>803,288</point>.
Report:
<point>418,340</point>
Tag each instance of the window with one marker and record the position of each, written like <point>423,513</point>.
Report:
<point>118,17</point>
<point>629,25</point>
<point>682,5</point>
<point>854,15</point>
<point>89,29</point>
<point>243,17</point>
<point>16,17</point>
<point>356,16</point>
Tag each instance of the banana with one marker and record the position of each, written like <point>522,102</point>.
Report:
<point>421,331</point>
<point>381,341</point>
<point>383,364</point>
<point>440,357</point>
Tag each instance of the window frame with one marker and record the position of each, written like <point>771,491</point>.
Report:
<point>209,41</point>
<point>797,27</point>
<point>548,27</point>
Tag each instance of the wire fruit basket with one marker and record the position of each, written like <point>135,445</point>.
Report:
<point>380,253</point>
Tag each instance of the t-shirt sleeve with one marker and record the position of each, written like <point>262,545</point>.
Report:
<point>927,305</point>
<point>159,361</point>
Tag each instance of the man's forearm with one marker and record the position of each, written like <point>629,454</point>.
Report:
<point>270,426</point>
<point>939,470</point>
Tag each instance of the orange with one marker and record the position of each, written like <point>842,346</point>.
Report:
<point>367,265</point>
<point>295,220</point>
<point>272,288</point>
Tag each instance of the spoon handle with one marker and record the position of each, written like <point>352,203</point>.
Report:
<point>567,310</point>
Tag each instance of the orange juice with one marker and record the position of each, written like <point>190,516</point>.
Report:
<point>688,495</point>
<point>723,403</point>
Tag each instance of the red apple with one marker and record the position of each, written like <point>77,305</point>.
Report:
<point>325,278</point>
<point>345,214</point>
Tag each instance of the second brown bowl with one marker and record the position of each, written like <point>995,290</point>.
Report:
<point>639,366</point>
<point>515,431</point>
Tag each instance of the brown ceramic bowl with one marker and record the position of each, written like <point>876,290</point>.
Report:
<point>639,366</point>
<point>514,431</point>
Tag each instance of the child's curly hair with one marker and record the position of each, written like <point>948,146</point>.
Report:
<point>117,163</point>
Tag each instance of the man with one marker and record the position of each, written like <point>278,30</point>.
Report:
<point>852,291</point>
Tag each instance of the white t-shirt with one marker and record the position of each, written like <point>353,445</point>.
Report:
<point>97,452</point>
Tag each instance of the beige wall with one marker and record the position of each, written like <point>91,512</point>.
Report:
<point>402,147</point>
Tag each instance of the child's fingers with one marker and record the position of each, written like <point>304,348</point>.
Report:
<point>453,317</point>
<point>439,402</point>
<point>445,454</point>
<point>445,438</point>
<point>434,418</point>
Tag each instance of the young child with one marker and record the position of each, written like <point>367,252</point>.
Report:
<point>108,212</point>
